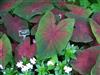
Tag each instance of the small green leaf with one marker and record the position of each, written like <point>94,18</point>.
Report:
<point>84,3</point>
<point>95,7</point>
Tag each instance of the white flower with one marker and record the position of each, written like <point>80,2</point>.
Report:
<point>60,16</point>
<point>1,67</point>
<point>33,61</point>
<point>4,72</point>
<point>24,68</point>
<point>19,64</point>
<point>50,63</point>
<point>34,41</point>
<point>30,66</point>
<point>67,69</point>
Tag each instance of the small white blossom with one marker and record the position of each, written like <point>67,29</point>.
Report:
<point>1,67</point>
<point>24,69</point>
<point>34,41</point>
<point>30,66</point>
<point>50,63</point>
<point>19,64</point>
<point>4,72</point>
<point>67,69</point>
<point>33,61</point>
<point>60,16</point>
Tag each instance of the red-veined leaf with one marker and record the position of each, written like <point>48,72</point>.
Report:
<point>79,11</point>
<point>26,49</point>
<point>51,37</point>
<point>30,8</point>
<point>86,60</point>
<point>14,25</point>
<point>82,32</point>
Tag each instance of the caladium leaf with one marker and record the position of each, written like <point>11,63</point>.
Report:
<point>95,29</point>
<point>86,60</point>
<point>25,49</point>
<point>79,11</point>
<point>82,32</point>
<point>30,8</point>
<point>96,69</point>
<point>52,38</point>
<point>14,25</point>
<point>5,50</point>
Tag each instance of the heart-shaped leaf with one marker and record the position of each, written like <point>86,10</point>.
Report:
<point>82,32</point>
<point>86,60</point>
<point>14,25</point>
<point>51,37</point>
<point>95,29</point>
<point>30,8</point>
<point>25,49</point>
<point>5,50</point>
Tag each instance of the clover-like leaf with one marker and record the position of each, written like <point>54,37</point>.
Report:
<point>95,29</point>
<point>28,9</point>
<point>5,50</point>
<point>25,49</point>
<point>82,32</point>
<point>14,25</point>
<point>52,38</point>
<point>86,60</point>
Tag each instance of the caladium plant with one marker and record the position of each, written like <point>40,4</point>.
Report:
<point>52,38</point>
